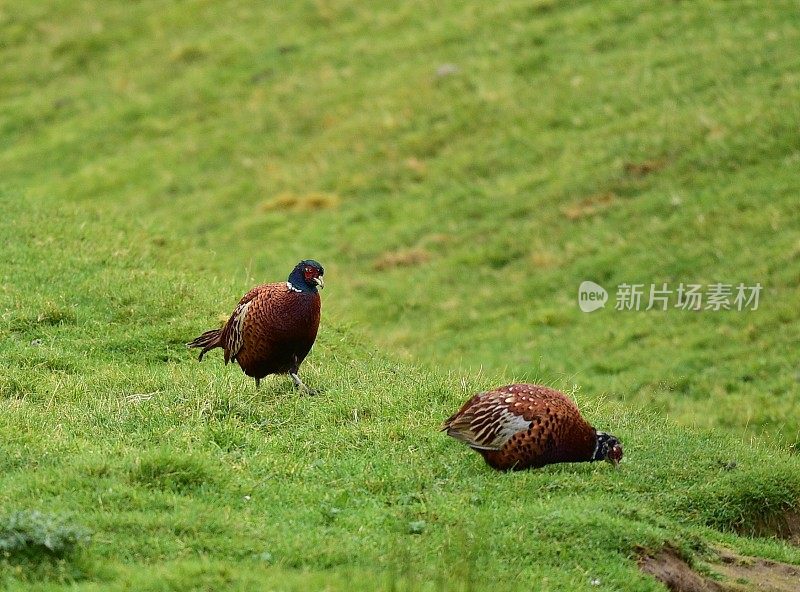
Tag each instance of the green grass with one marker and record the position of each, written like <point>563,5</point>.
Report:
<point>157,161</point>
<point>201,478</point>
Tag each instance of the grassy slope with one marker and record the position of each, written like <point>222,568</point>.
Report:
<point>323,130</point>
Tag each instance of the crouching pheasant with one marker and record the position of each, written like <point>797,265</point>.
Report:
<point>273,327</point>
<point>523,426</point>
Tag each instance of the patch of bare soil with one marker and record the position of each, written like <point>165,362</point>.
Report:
<point>758,574</point>
<point>677,575</point>
<point>738,573</point>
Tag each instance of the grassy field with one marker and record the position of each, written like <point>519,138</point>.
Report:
<point>459,169</point>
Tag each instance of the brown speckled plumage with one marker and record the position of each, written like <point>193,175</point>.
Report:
<point>522,426</point>
<point>271,330</point>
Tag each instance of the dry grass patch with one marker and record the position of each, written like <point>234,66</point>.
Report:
<point>305,202</point>
<point>589,206</point>
<point>401,258</point>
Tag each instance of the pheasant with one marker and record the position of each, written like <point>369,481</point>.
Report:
<point>523,426</point>
<point>273,327</point>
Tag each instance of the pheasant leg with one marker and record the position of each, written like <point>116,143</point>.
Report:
<point>301,385</point>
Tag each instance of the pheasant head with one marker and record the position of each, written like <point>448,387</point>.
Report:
<point>608,448</point>
<point>307,276</point>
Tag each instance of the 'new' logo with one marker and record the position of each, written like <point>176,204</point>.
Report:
<point>591,296</point>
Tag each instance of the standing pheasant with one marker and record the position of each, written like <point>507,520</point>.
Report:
<point>273,327</point>
<point>520,426</point>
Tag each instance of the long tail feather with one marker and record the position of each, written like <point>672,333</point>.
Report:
<point>208,340</point>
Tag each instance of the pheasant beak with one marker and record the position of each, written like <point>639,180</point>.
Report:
<point>320,282</point>
<point>615,455</point>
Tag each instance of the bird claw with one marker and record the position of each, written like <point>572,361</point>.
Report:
<point>309,391</point>
<point>299,384</point>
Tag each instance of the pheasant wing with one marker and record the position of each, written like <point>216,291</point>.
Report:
<point>233,334</point>
<point>489,420</point>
